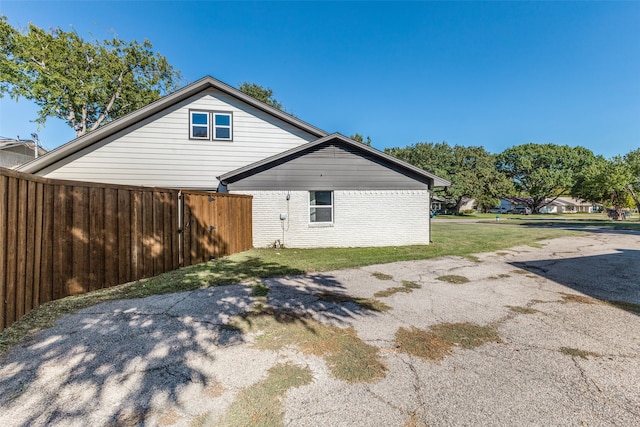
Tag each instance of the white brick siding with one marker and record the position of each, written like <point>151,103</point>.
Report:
<point>361,219</point>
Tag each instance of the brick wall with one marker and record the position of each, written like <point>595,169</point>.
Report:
<point>361,218</point>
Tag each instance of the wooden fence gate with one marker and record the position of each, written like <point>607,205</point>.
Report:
<point>215,225</point>
<point>61,238</point>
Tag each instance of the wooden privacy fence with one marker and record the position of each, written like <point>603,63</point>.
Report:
<point>61,238</point>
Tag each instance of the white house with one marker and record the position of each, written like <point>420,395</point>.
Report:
<point>330,190</point>
<point>338,192</point>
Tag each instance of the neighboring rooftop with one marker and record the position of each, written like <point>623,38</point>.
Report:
<point>16,151</point>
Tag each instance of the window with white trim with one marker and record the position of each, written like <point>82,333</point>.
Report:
<point>222,126</point>
<point>320,206</point>
<point>198,124</point>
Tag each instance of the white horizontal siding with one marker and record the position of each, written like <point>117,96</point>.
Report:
<point>158,151</point>
<point>361,219</point>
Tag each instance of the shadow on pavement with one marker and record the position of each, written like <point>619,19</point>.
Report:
<point>610,277</point>
<point>120,359</point>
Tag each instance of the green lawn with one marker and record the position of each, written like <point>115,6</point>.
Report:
<point>449,238</point>
<point>459,239</point>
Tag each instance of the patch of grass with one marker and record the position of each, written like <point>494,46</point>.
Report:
<point>371,304</point>
<point>259,290</point>
<point>261,404</point>
<point>452,278</point>
<point>407,287</point>
<point>439,340</point>
<point>348,357</point>
<point>391,291</point>
<point>520,271</point>
<point>411,285</point>
<point>575,352</point>
<point>381,276</point>
<point>580,299</point>
<point>523,310</point>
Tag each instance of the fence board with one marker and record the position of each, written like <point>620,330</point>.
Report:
<point>3,247</point>
<point>63,249</point>
<point>111,237</point>
<point>60,238</point>
<point>21,249</point>
<point>38,212</point>
<point>125,218</point>
<point>12,240</point>
<point>78,281</point>
<point>97,211</point>
<point>137,255</point>
<point>46,267</point>
<point>30,243</point>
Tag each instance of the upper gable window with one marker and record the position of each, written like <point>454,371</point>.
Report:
<point>211,125</point>
<point>199,124</point>
<point>222,126</point>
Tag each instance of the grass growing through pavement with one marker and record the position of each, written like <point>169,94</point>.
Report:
<point>448,239</point>
<point>261,404</point>
<point>575,352</point>
<point>581,299</point>
<point>365,303</point>
<point>522,310</point>
<point>439,340</point>
<point>381,276</point>
<point>407,287</point>
<point>348,357</point>
<point>259,290</point>
<point>452,278</point>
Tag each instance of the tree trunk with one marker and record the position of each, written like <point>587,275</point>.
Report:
<point>458,205</point>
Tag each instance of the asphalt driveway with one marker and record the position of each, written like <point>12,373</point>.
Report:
<point>563,356</point>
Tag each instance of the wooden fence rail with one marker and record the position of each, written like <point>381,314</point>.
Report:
<point>61,238</point>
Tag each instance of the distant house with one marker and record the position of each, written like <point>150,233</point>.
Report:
<point>556,206</point>
<point>444,205</point>
<point>14,152</point>
<point>509,204</point>
<point>569,205</point>
<point>310,189</point>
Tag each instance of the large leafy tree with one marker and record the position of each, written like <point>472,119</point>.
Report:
<point>260,93</point>
<point>85,83</point>
<point>543,171</point>
<point>471,171</point>
<point>632,160</point>
<point>605,181</point>
<point>614,182</point>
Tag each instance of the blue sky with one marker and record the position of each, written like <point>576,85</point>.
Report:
<point>480,73</point>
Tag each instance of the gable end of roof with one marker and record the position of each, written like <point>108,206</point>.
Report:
<point>157,106</point>
<point>282,157</point>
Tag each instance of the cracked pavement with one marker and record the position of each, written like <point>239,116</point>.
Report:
<point>167,359</point>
